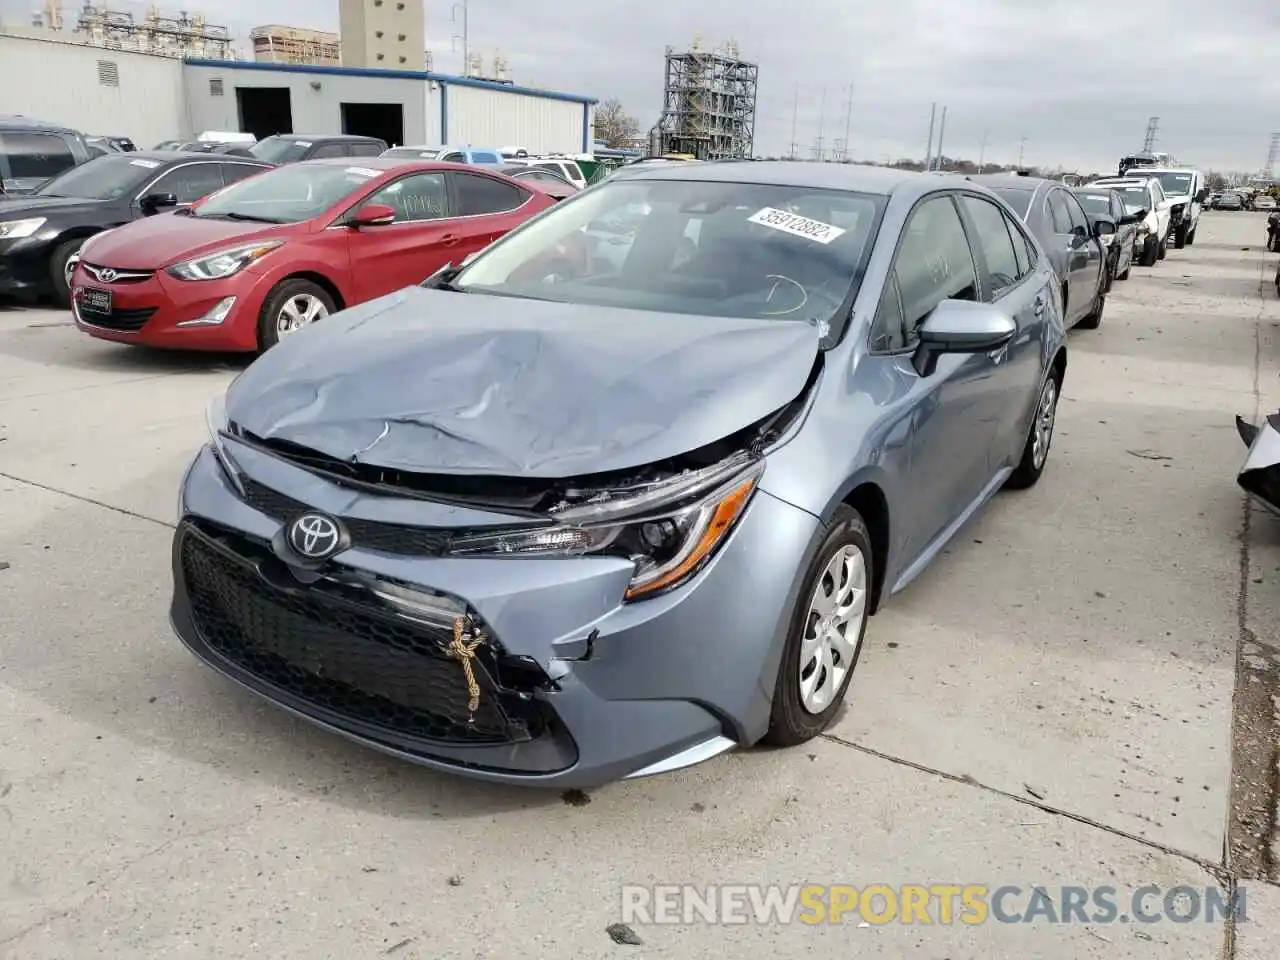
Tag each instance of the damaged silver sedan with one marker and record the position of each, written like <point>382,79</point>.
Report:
<point>566,515</point>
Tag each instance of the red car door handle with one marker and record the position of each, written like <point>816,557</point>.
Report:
<point>448,240</point>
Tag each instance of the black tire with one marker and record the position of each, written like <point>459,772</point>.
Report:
<point>1093,319</point>
<point>1163,250</point>
<point>1180,237</point>
<point>1150,252</point>
<point>790,722</point>
<point>282,292</point>
<point>1028,473</point>
<point>1191,236</point>
<point>1127,270</point>
<point>58,267</point>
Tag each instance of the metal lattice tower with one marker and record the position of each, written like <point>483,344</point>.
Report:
<point>1273,154</point>
<point>1149,139</point>
<point>709,104</point>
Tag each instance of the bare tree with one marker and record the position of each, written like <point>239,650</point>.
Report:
<point>614,125</point>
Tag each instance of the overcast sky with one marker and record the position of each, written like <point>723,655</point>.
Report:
<point>1078,80</point>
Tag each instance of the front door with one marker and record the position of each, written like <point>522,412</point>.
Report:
<point>403,253</point>
<point>1072,254</point>
<point>943,418</point>
<point>1093,262</point>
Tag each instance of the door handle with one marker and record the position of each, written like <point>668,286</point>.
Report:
<point>448,240</point>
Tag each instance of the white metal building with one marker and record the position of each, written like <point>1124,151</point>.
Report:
<point>152,98</point>
<point>438,108</point>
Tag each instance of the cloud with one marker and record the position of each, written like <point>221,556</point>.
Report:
<point>1077,80</point>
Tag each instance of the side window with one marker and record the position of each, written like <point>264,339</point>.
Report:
<point>36,156</point>
<point>415,198</point>
<point>235,172</point>
<point>991,236</point>
<point>553,167</point>
<point>328,150</point>
<point>1024,248</point>
<point>933,264</point>
<point>478,195</point>
<point>571,170</point>
<point>1058,214</point>
<point>454,157</point>
<point>362,148</point>
<point>1079,222</point>
<point>191,182</point>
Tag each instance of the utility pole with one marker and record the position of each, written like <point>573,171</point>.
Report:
<point>848,120</point>
<point>1022,149</point>
<point>928,150</point>
<point>795,113</point>
<point>1273,154</point>
<point>982,151</point>
<point>942,129</point>
<point>822,119</point>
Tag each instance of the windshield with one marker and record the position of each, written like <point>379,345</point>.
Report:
<point>1175,183</point>
<point>1135,197</point>
<point>279,149</point>
<point>692,247</point>
<point>1096,203</point>
<point>288,194</point>
<point>412,153</point>
<point>1020,200</point>
<point>108,177</point>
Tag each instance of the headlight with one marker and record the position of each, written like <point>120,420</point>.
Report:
<point>17,229</point>
<point>224,263</point>
<point>669,533</point>
<point>216,419</point>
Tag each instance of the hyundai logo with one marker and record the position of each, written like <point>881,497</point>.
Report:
<point>106,274</point>
<point>315,536</point>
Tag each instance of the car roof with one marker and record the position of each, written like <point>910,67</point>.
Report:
<point>322,137</point>
<point>169,156</point>
<point>807,173</point>
<point>19,122</point>
<point>383,164</point>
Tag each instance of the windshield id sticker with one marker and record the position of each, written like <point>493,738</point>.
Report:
<point>361,171</point>
<point>303,143</point>
<point>148,164</point>
<point>796,225</point>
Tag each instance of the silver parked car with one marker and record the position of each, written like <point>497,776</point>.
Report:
<point>563,529</point>
<point>1072,239</point>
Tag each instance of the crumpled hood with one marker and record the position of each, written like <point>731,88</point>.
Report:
<point>437,382</point>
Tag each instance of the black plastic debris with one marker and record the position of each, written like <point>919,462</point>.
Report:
<point>621,933</point>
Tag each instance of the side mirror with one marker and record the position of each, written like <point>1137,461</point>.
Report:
<point>157,201</point>
<point>1200,197</point>
<point>1137,216</point>
<point>961,326</point>
<point>1103,227</point>
<point>373,215</point>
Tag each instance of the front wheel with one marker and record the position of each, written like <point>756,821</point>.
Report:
<point>1150,252</point>
<point>1035,454</point>
<point>825,638</point>
<point>1180,238</point>
<point>1162,250</point>
<point>290,306</point>
<point>1093,319</point>
<point>1191,236</point>
<point>59,275</point>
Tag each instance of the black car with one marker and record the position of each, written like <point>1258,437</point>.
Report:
<point>292,147</point>
<point>1099,202</point>
<point>40,233</point>
<point>554,186</point>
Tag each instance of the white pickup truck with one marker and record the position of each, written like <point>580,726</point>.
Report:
<point>1186,192</point>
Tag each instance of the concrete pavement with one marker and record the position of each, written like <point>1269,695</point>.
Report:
<point>1052,703</point>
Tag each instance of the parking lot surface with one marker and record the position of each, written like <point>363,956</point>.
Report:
<point>1051,703</point>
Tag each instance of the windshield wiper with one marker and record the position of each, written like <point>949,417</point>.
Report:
<point>443,280</point>
<point>248,217</point>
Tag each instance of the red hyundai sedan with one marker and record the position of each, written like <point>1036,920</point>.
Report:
<point>267,255</point>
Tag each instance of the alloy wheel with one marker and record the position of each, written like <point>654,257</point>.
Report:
<point>829,647</point>
<point>1042,432</point>
<point>298,312</point>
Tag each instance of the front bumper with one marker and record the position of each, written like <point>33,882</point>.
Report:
<point>577,688</point>
<point>24,266</point>
<point>153,309</point>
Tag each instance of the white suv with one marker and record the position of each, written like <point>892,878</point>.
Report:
<point>1186,192</point>
<point>1145,193</point>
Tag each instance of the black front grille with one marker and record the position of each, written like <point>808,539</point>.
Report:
<point>337,653</point>
<point>119,318</point>
<point>366,534</point>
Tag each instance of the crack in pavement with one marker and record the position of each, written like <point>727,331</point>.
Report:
<point>125,511</point>
<point>86,386</point>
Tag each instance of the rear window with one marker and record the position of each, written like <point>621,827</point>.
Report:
<point>483,156</point>
<point>1020,200</point>
<point>36,156</point>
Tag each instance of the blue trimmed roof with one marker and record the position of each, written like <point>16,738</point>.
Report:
<point>444,78</point>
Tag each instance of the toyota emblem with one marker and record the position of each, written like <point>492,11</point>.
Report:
<point>106,275</point>
<point>314,536</point>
